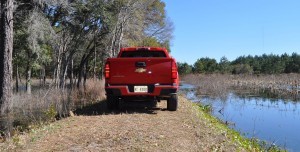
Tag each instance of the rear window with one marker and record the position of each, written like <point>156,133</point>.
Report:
<point>143,54</point>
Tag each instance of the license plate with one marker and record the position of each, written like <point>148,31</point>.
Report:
<point>140,88</point>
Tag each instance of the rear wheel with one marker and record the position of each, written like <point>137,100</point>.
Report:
<point>172,103</point>
<point>112,102</point>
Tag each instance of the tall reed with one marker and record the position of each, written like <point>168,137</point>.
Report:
<point>218,85</point>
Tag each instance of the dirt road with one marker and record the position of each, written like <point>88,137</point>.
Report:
<point>135,128</point>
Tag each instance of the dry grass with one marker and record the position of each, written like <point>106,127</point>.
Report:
<point>218,85</point>
<point>93,92</point>
<point>46,105</point>
<point>283,85</point>
<point>214,85</point>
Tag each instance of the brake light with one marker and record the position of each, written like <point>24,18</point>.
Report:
<point>174,70</point>
<point>107,71</point>
<point>143,49</point>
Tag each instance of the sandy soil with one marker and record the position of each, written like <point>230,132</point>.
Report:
<point>134,128</point>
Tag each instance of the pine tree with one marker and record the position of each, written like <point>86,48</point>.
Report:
<point>6,48</point>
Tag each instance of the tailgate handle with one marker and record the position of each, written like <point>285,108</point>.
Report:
<point>140,64</point>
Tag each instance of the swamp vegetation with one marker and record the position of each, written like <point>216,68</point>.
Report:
<point>264,107</point>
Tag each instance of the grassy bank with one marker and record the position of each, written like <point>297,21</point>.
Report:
<point>218,86</point>
<point>233,135</point>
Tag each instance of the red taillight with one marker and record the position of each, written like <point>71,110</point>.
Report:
<point>107,71</point>
<point>174,71</point>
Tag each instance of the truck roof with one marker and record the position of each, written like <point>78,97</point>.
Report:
<point>128,49</point>
<point>143,48</point>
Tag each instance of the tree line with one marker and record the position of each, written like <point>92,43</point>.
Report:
<point>70,39</point>
<point>264,64</point>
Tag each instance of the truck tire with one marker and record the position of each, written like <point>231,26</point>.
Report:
<point>111,102</point>
<point>172,103</point>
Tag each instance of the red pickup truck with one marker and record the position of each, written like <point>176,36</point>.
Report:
<point>141,73</point>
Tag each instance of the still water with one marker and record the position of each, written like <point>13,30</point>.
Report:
<point>273,120</point>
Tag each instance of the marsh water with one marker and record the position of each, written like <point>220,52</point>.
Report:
<point>276,121</point>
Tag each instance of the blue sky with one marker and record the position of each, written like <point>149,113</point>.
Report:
<point>232,28</point>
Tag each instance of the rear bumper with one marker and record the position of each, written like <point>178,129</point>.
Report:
<point>155,90</point>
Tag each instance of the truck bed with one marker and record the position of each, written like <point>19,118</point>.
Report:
<point>150,71</point>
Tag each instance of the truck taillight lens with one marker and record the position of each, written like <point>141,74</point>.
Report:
<point>107,71</point>
<point>174,71</point>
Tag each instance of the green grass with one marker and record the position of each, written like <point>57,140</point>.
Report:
<point>252,144</point>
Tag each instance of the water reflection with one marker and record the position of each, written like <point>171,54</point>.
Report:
<point>273,120</point>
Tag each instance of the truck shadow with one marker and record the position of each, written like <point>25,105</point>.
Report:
<point>100,108</point>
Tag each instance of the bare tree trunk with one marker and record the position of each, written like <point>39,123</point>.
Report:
<point>79,77</point>
<point>95,60</point>
<point>20,78</point>
<point>75,79</point>
<point>17,78</point>
<point>42,77</point>
<point>59,63</point>
<point>113,40</point>
<point>81,67</point>
<point>71,74</point>
<point>28,78</point>
<point>120,37</point>
<point>64,76</point>
<point>6,48</point>
<point>54,76</point>
<point>67,60</point>
<point>63,71</point>
<point>81,72</point>
<point>85,73</point>
<point>57,74</point>
<point>102,66</point>
<point>118,34</point>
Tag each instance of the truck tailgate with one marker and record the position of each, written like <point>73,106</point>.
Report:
<point>140,71</point>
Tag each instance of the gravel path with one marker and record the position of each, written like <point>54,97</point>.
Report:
<point>135,128</point>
